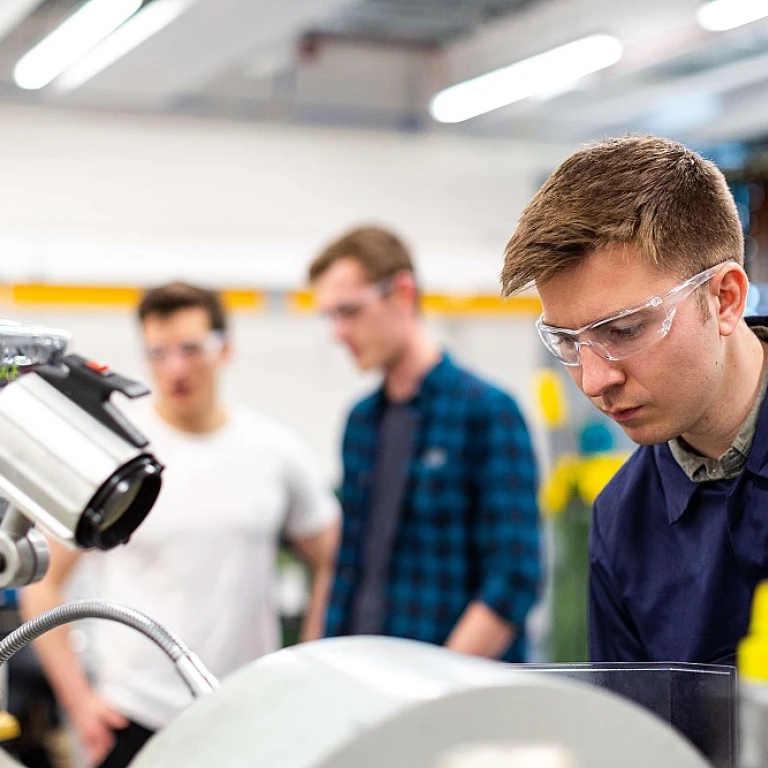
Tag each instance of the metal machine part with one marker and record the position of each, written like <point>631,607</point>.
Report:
<point>365,702</point>
<point>198,678</point>
<point>194,673</point>
<point>24,554</point>
<point>70,461</point>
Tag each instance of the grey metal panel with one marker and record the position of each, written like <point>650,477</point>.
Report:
<point>416,21</point>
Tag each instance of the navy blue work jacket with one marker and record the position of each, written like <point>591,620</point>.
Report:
<point>673,563</point>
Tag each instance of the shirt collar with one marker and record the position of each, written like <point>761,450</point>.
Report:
<point>727,466</point>
<point>430,384</point>
<point>678,487</point>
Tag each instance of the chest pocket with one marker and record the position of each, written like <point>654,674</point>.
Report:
<point>438,483</point>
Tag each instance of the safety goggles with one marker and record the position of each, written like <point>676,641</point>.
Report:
<point>192,350</point>
<point>626,333</point>
<point>351,309</point>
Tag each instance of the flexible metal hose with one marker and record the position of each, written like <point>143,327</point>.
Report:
<point>196,676</point>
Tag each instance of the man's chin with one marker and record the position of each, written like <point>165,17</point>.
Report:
<point>647,435</point>
<point>181,405</point>
<point>363,362</point>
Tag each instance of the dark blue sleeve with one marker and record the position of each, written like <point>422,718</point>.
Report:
<point>506,530</point>
<point>612,633</point>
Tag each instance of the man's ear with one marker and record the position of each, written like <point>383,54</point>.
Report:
<point>404,286</point>
<point>226,350</point>
<point>730,287</point>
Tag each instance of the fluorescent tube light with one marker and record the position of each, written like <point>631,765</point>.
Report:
<point>720,15</point>
<point>68,42</point>
<point>544,73</point>
<point>140,27</point>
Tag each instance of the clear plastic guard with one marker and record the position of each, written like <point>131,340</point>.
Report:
<point>698,700</point>
<point>26,347</point>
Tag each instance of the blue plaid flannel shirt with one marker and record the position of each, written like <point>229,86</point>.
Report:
<point>468,529</point>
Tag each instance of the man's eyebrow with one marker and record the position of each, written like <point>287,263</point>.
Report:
<point>639,306</point>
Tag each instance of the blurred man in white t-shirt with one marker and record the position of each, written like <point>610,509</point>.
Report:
<point>202,563</point>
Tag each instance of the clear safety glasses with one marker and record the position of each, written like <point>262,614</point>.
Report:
<point>352,309</point>
<point>626,333</point>
<point>192,350</point>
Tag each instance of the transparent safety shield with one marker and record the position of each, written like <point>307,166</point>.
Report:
<point>698,700</point>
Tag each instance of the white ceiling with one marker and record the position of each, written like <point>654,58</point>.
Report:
<point>376,63</point>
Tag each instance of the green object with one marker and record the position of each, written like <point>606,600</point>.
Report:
<point>290,626</point>
<point>9,371</point>
<point>569,584</point>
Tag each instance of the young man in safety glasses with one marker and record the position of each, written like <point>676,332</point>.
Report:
<point>636,249</point>
<point>440,539</point>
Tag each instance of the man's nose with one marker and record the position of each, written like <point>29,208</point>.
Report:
<point>339,329</point>
<point>175,362</point>
<point>598,375</point>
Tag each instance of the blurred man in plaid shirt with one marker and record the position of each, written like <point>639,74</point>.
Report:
<point>440,536</point>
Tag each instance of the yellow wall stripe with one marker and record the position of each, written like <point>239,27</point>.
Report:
<point>87,295</point>
<point>301,301</point>
<point>481,305</point>
<point>34,294</point>
<point>244,300</point>
<point>447,304</point>
<point>94,296</point>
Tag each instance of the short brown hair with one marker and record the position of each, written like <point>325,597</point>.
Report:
<point>654,194</point>
<point>380,253</point>
<point>164,300</point>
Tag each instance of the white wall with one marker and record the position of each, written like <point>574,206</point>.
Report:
<point>104,198</point>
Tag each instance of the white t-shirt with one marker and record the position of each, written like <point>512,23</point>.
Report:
<point>203,562</point>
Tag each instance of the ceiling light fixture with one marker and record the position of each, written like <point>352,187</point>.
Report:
<point>719,15</point>
<point>140,27</point>
<point>544,73</point>
<point>85,28</point>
